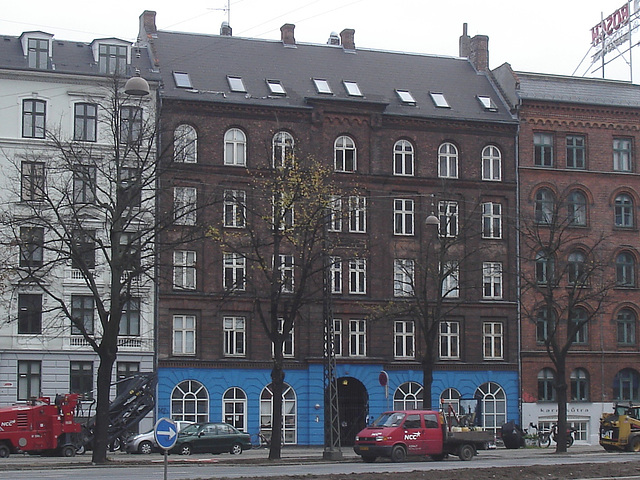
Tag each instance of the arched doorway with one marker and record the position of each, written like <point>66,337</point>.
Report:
<point>353,408</point>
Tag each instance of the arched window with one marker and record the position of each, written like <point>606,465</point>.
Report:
<point>282,149</point>
<point>546,385</point>
<point>450,396</point>
<point>289,413</point>
<point>235,147</point>
<point>626,327</point>
<point>234,406</point>
<point>623,211</point>
<point>190,402</point>
<point>576,268</point>
<point>579,385</point>
<point>344,151</point>
<point>625,270</point>
<point>403,158</point>
<point>494,405</point>
<point>580,317</point>
<point>544,206</point>
<point>544,268</point>
<point>625,386</point>
<point>491,163</point>
<point>577,208</point>
<point>408,396</point>
<point>448,161</point>
<point>185,144</point>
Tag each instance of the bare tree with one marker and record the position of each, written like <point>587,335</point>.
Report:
<point>284,244</point>
<point>566,278</point>
<point>88,210</point>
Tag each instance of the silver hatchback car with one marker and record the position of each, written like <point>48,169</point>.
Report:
<point>145,442</point>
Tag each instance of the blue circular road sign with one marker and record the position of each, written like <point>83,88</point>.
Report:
<point>165,433</point>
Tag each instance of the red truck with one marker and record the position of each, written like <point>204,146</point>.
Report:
<point>40,427</point>
<point>398,434</point>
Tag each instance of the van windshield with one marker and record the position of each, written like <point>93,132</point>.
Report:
<point>389,419</point>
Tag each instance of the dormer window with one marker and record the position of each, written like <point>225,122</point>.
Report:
<point>38,53</point>
<point>406,97</point>
<point>236,84</point>
<point>352,89</point>
<point>112,59</point>
<point>322,86</point>
<point>439,100</point>
<point>182,80</point>
<point>275,87</point>
<point>487,103</point>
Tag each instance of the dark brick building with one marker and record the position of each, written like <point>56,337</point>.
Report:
<point>416,134</point>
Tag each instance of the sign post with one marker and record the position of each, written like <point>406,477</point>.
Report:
<point>165,433</point>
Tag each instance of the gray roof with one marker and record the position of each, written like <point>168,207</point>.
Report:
<point>209,59</point>
<point>68,57</point>
<point>592,91</point>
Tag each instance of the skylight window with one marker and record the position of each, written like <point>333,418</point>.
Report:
<point>322,86</point>
<point>487,103</point>
<point>275,87</point>
<point>352,89</point>
<point>406,97</point>
<point>182,80</point>
<point>439,100</point>
<point>236,84</point>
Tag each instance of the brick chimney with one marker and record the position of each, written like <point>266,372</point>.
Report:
<point>347,39</point>
<point>286,33</point>
<point>148,22</point>
<point>476,49</point>
<point>465,41</point>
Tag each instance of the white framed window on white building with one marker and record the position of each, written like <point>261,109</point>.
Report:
<point>184,335</point>
<point>491,220</point>
<point>403,277</point>
<point>184,270</point>
<point>492,280</point>
<point>404,339</point>
<point>234,271</point>
<point>492,341</point>
<point>403,216</point>
<point>449,340</point>
<point>235,336</point>
<point>358,276</point>
<point>357,214</point>
<point>357,338</point>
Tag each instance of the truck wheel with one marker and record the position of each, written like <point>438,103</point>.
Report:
<point>68,451</point>
<point>634,444</point>
<point>398,454</point>
<point>4,451</point>
<point>466,452</point>
<point>369,458</point>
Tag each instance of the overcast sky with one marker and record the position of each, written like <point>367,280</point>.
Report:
<point>547,36</point>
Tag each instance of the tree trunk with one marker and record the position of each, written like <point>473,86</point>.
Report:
<point>103,384</point>
<point>427,379</point>
<point>277,385</point>
<point>561,392</point>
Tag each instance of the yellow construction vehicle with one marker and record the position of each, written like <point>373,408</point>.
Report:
<point>620,430</point>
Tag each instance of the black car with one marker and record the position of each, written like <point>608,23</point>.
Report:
<point>211,438</point>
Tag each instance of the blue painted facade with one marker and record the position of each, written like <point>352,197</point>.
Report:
<point>308,387</point>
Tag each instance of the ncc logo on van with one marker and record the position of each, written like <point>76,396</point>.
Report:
<point>411,436</point>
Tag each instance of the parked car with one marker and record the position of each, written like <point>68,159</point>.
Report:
<point>146,442</point>
<point>211,438</point>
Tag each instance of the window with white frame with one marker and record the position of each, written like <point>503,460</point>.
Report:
<point>184,205</point>
<point>357,214</point>
<point>234,208</point>
<point>491,163</point>
<point>448,161</point>
<point>286,269</point>
<point>404,339</point>
<point>403,213</point>
<point>450,280</point>
<point>357,338</point>
<point>235,335</point>
<point>234,406</point>
<point>185,144</point>
<point>234,274</point>
<point>358,276</point>
<point>344,150</point>
<point>337,337</point>
<point>449,340</point>
<point>492,280</point>
<point>190,402</point>
<point>288,345</point>
<point>448,213</point>
<point>403,158</point>
<point>283,212</point>
<point>184,335</point>
<point>282,149</point>
<point>622,159</point>
<point>184,270</point>
<point>543,149</point>
<point>235,147</point>
<point>335,272</point>
<point>335,214</point>
<point>491,220</point>
<point>403,277</point>
<point>408,396</point>
<point>492,341</point>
